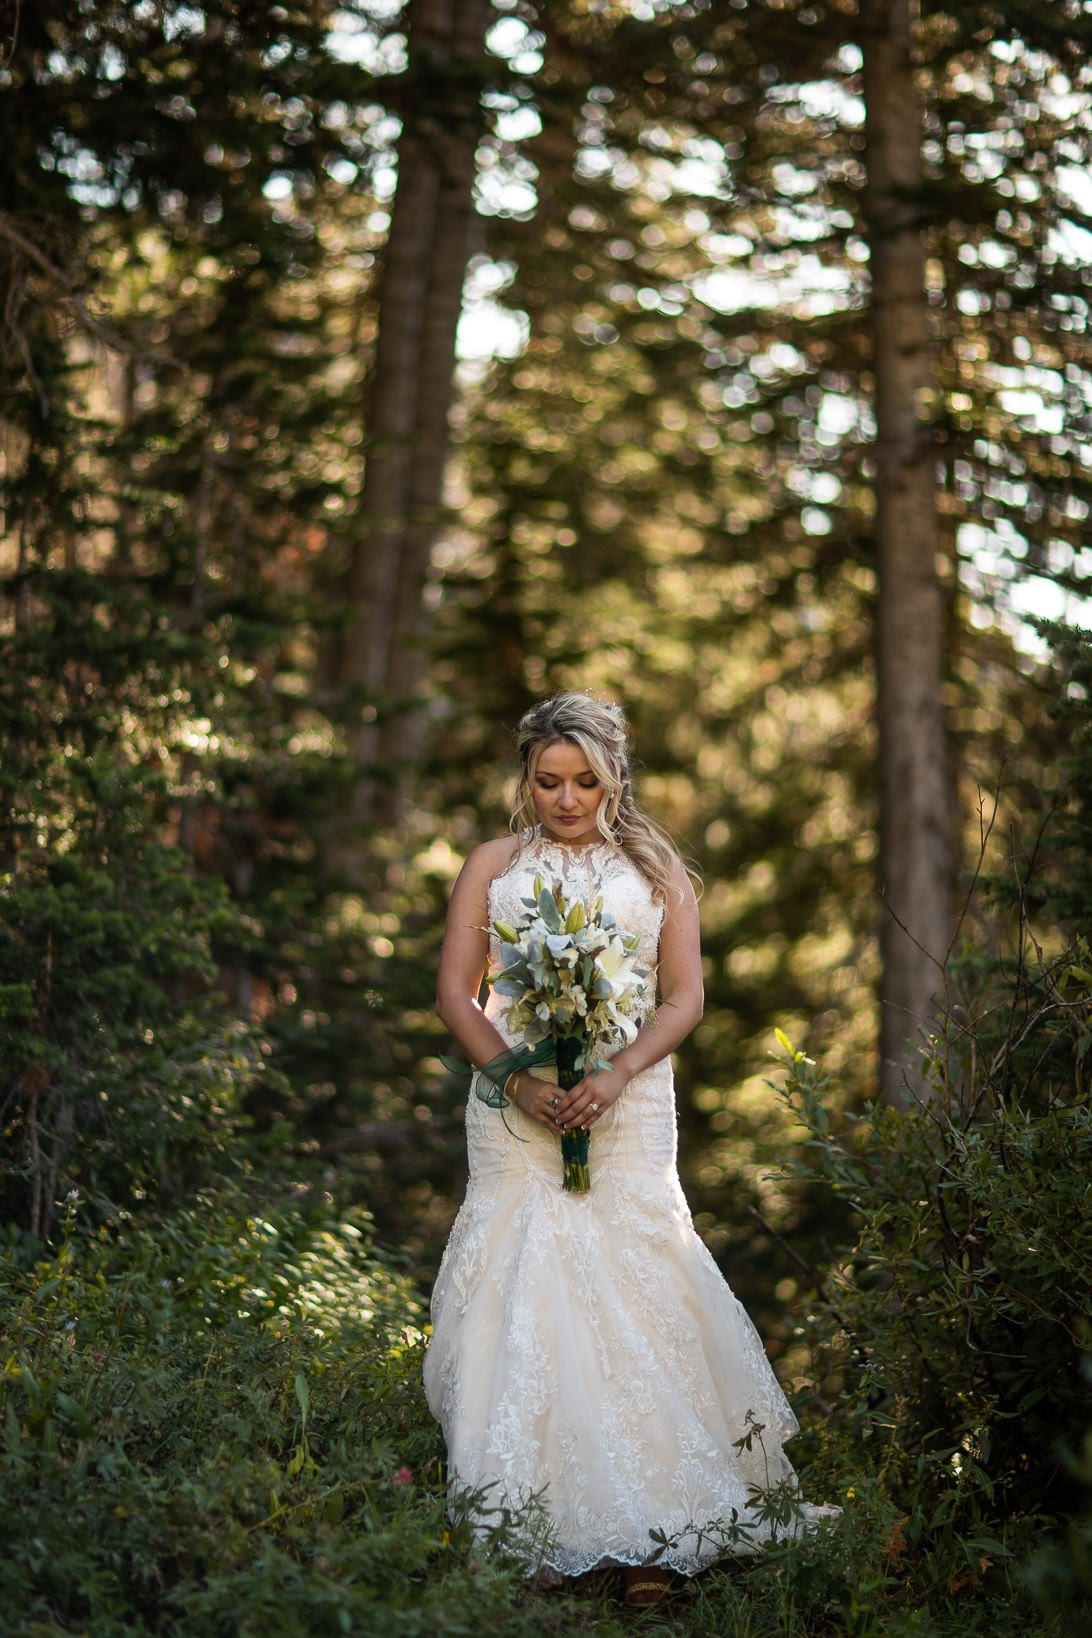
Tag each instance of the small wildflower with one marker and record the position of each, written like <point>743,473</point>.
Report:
<point>404,1475</point>
<point>797,1056</point>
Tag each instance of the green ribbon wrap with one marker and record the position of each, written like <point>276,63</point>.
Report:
<point>568,1052</point>
<point>490,1079</point>
<point>575,1176</point>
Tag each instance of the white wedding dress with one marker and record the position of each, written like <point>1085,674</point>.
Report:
<point>586,1349</point>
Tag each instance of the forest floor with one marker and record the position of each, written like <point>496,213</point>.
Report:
<point>215,1425</point>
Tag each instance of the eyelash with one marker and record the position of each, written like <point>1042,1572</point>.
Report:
<point>589,787</point>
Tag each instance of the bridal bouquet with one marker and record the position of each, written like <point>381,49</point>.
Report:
<point>571,973</point>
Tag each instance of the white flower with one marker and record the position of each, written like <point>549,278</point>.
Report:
<point>625,1027</point>
<point>614,964</point>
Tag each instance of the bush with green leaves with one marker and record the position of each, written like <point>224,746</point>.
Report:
<point>122,1064</point>
<point>961,1313</point>
<point>213,1425</point>
<point>961,1307</point>
<point>216,1426</point>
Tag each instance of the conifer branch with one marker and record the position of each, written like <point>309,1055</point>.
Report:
<point>98,328</point>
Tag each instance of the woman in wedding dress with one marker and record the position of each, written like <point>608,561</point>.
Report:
<point>586,1351</point>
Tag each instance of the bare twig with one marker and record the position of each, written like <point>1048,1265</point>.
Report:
<point>938,961</point>
<point>7,51</point>
<point>24,247</point>
<point>985,831</point>
<point>805,1267</point>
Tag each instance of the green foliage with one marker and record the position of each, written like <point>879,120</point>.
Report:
<point>218,1427</point>
<point>109,1084</point>
<point>665,498</point>
<point>960,1312</point>
<point>1061,882</point>
<point>1059,1573</point>
<point>215,1425</point>
<point>964,1295</point>
<point>124,1065</point>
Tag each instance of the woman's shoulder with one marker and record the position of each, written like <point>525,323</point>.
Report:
<point>680,876</point>
<point>482,865</point>
<point>490,858</point>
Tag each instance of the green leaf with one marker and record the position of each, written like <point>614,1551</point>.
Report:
<point>547,909</point>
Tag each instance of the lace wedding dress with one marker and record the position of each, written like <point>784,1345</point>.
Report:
<point>586,1350</point>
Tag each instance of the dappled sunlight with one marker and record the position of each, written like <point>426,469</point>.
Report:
<point>360,392</point>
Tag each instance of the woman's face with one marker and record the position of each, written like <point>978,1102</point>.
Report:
<point>566,793</point>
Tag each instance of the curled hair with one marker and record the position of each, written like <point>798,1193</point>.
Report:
<point>599,729</point>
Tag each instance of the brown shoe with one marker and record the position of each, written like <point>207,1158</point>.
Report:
<point>644,1585</point>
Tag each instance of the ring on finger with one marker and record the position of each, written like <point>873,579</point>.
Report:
<point>595,1108</point>
<point>553,1103</point>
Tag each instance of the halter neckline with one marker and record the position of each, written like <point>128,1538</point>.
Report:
<point>538,837</point>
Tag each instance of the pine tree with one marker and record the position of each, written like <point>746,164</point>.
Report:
<point>917,848</point>
<point>380,662</point>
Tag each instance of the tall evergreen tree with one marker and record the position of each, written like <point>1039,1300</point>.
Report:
<point>917,854</point>
<point>168,448</point>
<point>380,660</point>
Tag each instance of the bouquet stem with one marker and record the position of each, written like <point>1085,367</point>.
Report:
<point>574,1144</point>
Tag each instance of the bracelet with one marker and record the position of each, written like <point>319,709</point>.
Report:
<point>514,1076</point>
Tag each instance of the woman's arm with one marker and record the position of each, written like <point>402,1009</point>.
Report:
<point>464,955</point>
<point>463,961</point>
<point>680,1008</point>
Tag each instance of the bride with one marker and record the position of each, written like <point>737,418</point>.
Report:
<point>587,1356</point>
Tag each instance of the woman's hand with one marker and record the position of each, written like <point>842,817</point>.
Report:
<point>538,1100</point>
<point>589,1100</point>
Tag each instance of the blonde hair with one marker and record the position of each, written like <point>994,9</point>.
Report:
<point>599,729</point>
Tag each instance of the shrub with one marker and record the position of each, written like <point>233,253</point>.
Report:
<point>960,1313</point>
<point>215,1425</point>
<point>122,1070</point>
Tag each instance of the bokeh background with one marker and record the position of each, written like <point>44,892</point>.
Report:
<point>371,370</point>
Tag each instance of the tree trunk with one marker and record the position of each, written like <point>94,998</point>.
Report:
<point>917,866</point>
<point>381,664</point>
